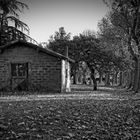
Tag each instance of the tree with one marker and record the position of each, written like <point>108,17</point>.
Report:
<point>83,48</point>
<point>9,13</point>
<point>89,50</point>
<point>113,40</point>
<point>59,41</point>
<point>125,14</point>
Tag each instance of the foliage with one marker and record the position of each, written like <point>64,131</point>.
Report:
<point>114,40</point>
<point>125,14</point>
<point>10,14</point>
<point>59,41</point>
<point>93,53</point>
<point>88,48</point>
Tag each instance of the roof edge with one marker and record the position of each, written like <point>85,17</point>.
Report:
<point>48,51</point>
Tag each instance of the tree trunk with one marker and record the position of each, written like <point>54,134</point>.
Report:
<point>74,78</point>
<point>1,30</point>
<point>137,76</point>
<point>115,78</point>
<point>125,79</point>
<point>107,79</point>
<point>100,77</point>
<point>94,79</point>
<point>129,79</point>
<point>74,72</point>
<point>132,79</point>
<point>84,79</point>
<point>92,76</point>
<point>120,79</point>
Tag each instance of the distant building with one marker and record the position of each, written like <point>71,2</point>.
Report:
<point>25,66</point>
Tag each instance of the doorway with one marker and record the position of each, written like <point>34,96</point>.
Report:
<point>19,76</point>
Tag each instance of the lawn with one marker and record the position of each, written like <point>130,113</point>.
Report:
<point>65,119</point>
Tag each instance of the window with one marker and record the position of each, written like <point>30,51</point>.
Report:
<point>19,69</point>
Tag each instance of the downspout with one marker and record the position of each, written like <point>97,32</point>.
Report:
<point>67,67</point>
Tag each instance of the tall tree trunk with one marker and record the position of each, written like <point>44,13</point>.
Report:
<point>1,28</point>
<point>92,76</point>
<point>107,79</point>
<point>132,79</point>
<point>125,79</point>
<point>100,77</point>
<point>94,79</point>
<point>135,58</point>
<point>129,79</point>
<point>74,78</point>
<point>137,76</point>
<point>84,79</point>
<point>74,72</point>
<point>115,78</point>
<point>120,79</point>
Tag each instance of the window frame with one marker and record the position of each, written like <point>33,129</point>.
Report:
<point>20,76</point>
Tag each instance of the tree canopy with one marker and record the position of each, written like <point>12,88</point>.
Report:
<point>10,10</point>
<point>86,47</point>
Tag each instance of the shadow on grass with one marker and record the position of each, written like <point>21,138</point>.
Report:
<point>100,88</point>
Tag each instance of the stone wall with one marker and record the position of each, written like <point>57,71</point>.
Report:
<point>44,70</point>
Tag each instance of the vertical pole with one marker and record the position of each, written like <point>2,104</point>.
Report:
<point>67,72</point>
<point>66,52</point>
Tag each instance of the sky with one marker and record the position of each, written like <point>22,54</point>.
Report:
<point>44,17</point>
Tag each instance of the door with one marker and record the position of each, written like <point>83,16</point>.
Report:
<point>19,76</point>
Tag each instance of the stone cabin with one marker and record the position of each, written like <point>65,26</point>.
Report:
<point>28,67</point>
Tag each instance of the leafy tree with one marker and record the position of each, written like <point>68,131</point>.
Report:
<point>83,48</point>
<point>59,41</point>
<point>10,14</point>
<point>89,51</point>
<point>113,39</point>
<point>125,14</point>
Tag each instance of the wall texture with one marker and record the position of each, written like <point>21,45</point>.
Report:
<point>44,70</point>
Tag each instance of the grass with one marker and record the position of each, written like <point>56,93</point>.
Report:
<point>85,119</point>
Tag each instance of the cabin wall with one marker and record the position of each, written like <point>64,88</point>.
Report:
<point>44,70</point>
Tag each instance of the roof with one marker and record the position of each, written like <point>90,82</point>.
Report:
<point>47,51</point>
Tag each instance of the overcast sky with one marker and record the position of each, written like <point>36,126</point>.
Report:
<point>44,17</point>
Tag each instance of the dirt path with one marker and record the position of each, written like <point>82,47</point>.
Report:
<point>80,92</point>
<point>62,96</point>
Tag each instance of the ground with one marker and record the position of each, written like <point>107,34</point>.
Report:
<point>109,113</point>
